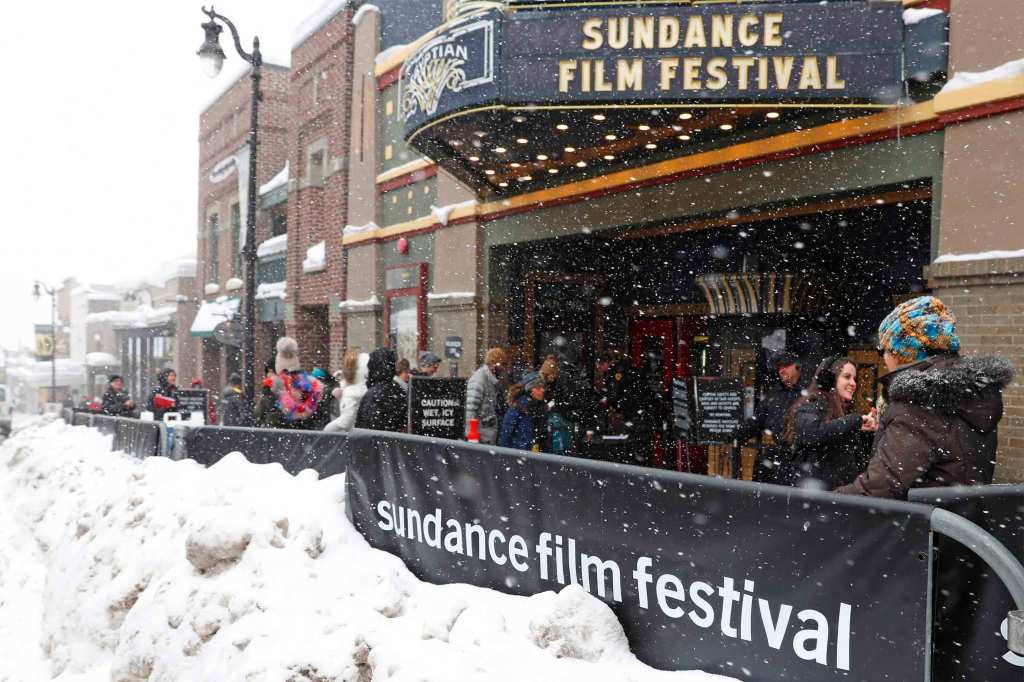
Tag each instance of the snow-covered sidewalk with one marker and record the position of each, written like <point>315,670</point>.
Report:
<point>127,570</point>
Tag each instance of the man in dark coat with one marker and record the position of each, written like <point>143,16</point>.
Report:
<point>116,401</point>
<point>232,404</point>
<point>385,405</point>
<point>164,398</point>
<point>770,417</point>
<point>939,426</point>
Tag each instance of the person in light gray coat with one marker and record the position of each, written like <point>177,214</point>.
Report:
<point>482,395</point>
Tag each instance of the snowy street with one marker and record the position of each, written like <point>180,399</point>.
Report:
<point>120,569</point>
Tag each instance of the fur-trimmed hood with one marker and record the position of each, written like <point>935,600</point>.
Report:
<point>968,386</point>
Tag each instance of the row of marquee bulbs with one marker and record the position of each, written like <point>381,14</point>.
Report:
<point>610,137</point>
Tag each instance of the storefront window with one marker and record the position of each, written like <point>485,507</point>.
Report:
<point>405,309</point>
<point>403,327</point>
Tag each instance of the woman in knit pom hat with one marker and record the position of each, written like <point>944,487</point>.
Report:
<point>939,428</point>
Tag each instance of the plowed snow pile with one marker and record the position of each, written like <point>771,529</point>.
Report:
<point>120,569</point>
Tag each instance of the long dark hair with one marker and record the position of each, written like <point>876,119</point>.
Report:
<point>821,391</point>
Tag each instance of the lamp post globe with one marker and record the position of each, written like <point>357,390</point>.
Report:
<point>211,56</point>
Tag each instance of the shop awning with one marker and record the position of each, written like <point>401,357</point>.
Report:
<point>212,313</point>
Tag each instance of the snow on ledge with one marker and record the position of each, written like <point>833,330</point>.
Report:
<point>315,21</point>
<point>363,11</point>
<point>277,181</point>
<point>272,246</point>
<point>359,229</point>
<point>350,304</point>
<point>450,296</point>
<point>385,55</point>
<point>966,79</point>
<point>914,16</point>
<point>983,255</point>
<point>316,258</point>
<point>143,316</point>
<point>271,290</point>
<point>443,213</point>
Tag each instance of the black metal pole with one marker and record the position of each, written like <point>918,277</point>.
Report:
<point>249,250</point>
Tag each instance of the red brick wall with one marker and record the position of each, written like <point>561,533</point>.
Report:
<point>987,297</point>
<point>223,129</point>
<point>320,100</point>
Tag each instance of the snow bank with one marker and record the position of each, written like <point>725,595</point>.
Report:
<point>316,258</point>
<point>966,79</point>
<point>160,570</point>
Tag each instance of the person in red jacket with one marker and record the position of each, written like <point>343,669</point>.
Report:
<point>164,398</point>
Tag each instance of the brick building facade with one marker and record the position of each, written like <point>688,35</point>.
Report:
<point>223,133</point>
<point>318,142</point>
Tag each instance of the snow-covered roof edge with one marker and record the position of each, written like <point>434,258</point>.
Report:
<point>982,255</point>
<point>237,73</point>
<point>315,21</point>
<point>363,11</point>
<point>916,15</point>
<point>966,79</point>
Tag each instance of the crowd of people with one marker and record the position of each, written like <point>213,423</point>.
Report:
<point>935,425</point>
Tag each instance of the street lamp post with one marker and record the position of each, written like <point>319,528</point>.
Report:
<point>52,293</point>
<point>211,57</point>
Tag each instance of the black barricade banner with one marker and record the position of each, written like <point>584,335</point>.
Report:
<point>294,450</point>
<point>971,602</point>
<point>753,581</point>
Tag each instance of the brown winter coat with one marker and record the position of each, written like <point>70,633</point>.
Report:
<point>939,428</point>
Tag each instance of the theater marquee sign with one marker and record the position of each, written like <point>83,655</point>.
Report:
<point>811,54</point>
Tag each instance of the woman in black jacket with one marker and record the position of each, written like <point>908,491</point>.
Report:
<point>829,442</point>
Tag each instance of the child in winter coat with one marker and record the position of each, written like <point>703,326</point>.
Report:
<point>525,422</point>
<point>350,391</point>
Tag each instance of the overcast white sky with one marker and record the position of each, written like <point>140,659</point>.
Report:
<point>98,134</point>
